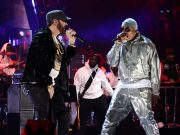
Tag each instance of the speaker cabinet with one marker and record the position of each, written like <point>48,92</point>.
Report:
<point>18,99</point>
<point>25,100</point>
<point>14,98</point>
<point>19,104</point>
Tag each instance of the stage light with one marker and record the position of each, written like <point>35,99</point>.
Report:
<point>21,33</point>
<point>34,6</point>
<point>13,42</point>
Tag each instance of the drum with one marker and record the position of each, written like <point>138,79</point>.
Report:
<point>9,71</point>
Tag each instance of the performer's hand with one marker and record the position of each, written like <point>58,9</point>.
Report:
<point>121,38</point>
<point>70,33</point>
<point>51,91</point>
<point>155,99</point>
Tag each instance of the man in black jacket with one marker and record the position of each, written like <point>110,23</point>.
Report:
<point>46,69</point>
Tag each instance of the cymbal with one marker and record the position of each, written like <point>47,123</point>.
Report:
<point>12,65</point>
<point>7,53</point>
<point>17,62</point>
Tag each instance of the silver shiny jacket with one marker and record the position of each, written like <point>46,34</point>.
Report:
<point>136,60</point>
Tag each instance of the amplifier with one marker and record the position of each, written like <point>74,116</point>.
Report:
<point>18,99</point>
<point>19,104</point>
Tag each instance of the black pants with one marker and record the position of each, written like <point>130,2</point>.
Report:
<point>56,106</point>
<point>61,113</point>
<point>99,106</point>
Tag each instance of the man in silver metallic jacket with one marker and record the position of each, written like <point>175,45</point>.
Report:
<point>138,89</point>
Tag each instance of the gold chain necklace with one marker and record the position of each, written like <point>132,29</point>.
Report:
<point>58,45</point>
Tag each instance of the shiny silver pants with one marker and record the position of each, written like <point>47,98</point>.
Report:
<point>123,101</point>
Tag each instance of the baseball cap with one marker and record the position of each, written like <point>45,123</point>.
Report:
<point>56,14</point>
<point>129,23</point>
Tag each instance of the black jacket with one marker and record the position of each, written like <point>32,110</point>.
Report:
<point>40,60</point>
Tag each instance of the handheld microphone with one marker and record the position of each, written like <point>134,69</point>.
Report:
<point>80,38</point>
<point>76,35</point>
<point>115,39</point>
<point>119,36</point>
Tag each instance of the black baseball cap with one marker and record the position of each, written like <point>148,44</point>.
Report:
<point>56,14</point>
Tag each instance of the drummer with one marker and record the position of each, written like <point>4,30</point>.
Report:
<point>170,69</point>
<point>6,62</point>
<point>6,69</point>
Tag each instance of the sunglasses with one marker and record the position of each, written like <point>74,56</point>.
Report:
<point>126,29</point>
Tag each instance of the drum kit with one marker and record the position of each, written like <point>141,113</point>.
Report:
<point>7,71</point>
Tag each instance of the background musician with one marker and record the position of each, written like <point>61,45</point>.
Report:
<point>170,69</point>
<point>6,68</point>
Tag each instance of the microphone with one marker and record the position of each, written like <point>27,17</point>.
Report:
<point>115,39</point>
<point>80,38</point>
<point>76,35</point>
<point>119,36</point>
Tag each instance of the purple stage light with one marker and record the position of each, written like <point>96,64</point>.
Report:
<point>34,6</point>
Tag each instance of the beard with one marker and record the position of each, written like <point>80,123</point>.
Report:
<point>61,28</point>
